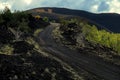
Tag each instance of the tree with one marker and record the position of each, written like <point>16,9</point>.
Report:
<point>46,19</point>
<point>6,10</point>
<point>1,19</point>
<point>7,15</point>
<point>111,40</point>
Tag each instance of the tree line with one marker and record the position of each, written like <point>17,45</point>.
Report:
<point>92,34</point>
<point>103,37</point>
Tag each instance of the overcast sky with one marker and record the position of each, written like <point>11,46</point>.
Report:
<point>88,5</point>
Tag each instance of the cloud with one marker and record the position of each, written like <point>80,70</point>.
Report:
<point>28,2</point>
<point>88,5</point>
<point>104,6</point>
<point>3,4</point>
<point>114,6</point>
<point>15,4</point>
<point>20,4</point>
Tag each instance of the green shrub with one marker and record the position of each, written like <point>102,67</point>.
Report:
<point>46,19</point>
<point>103,37</point>
<point>23,26</point>
<point>37,31</point>
<point>6,49</point>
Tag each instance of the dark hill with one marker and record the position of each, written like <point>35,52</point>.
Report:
<point>108,20</point>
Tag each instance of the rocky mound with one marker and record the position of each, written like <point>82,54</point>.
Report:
<point>19,58</point>
<point>32,66</point>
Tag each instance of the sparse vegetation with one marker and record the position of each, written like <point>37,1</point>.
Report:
<point>31,41</point>
<point>37,17</point>
<point>20,54</point>
<point>6,49</point>
<point>87,39</point>
<point>103,37</point>
<point>46,19</point>
<point>37,31</point>
<point>73,29</point>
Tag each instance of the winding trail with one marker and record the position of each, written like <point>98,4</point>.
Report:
<point>78,61</point>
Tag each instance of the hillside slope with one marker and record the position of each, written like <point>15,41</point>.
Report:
<point>108,20</point>
<point>34,48</point>
<point>79,60</point>
<point>21,57</point>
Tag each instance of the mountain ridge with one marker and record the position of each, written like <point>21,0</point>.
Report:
<point>108,20</point>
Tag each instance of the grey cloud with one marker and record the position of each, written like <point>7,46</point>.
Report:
<point>103,7</point>
<point>87,4</point>
<point>79,4</point>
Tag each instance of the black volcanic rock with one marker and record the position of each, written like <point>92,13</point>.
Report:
<point>6,36</point>
<point>36,23</point>
<point>22,47</point>
<point>34,67</point>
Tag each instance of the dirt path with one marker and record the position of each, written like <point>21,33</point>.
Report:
<point>78,61</point>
